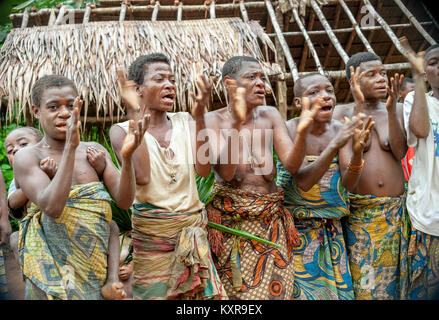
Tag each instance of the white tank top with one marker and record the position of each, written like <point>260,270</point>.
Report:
<point>172,184</point>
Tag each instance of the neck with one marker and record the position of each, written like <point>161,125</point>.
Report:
<point>249,115</point>
<point>53,144</point>
<point>371,103</point>
<point>157,118</point>
<point>318,128</point>
<point>435,92</point>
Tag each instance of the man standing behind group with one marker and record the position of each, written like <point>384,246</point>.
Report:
<point>171,257</point>
<point>421,119</point>
<point>246,196</point>
<point>316,195</point>
<point>376,227</point>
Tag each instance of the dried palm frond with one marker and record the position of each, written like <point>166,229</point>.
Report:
<point>90,54</point>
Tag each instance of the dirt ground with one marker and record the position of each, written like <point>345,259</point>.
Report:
<point>16,286</point>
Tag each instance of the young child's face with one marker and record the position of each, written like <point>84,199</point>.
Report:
<point>432,67</point>
<point>55,109</point>
<point>318,86</point>
<point>17,140</point>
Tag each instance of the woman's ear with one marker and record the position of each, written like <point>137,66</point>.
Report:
<point>139,90</point>
<point>298,102</point>
<point>36,111</point>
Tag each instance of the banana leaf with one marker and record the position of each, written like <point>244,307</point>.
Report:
<point>243,234</point>
<point>204,186</point>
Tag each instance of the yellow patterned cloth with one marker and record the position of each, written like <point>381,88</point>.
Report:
<point>171,256</point>
<point>66,257</point>
<point>377,239</point>
<point>321,269</point>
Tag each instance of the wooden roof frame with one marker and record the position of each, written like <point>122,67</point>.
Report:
<point>276,28</point>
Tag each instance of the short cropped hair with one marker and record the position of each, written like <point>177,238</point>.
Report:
<point>137,69</point>
<point>433,46</point>
<point>33,131</point>
<point>359,58</point>
<point>49,81</point>
<point>298,88</point>
<point>234,64</point>
<point>406,81</point>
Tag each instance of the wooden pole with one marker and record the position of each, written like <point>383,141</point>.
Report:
<point>334,74</point>
<point>282,41</point>
<point>123,11</point>
<point>212,10</point>
<point>281,86</point>
<point>372,32</point>
<point>52,18</point>
<point>308,40</point>
<point>328,29</point>
<point>243,11</point>
<point>330,46</point>
<point>180,11</point>
<point>155,11</point>
<point>144,9</point>
<point>344,30</point>
<point>356,27</point>
<point>386,28</point>
<point>305,49</point>
<point>25,18</point>
<point>415,22</point>
<point>60,15</point>
<point>87,13</point>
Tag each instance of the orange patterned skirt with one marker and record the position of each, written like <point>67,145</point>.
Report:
<point>250,270</point>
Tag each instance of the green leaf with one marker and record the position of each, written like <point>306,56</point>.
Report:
<point>23,5</point>
<point>243,234</point>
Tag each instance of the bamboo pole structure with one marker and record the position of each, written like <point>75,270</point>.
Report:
<point>344,30</point>
<point>335,74</point>
<point>123,11</point>
<point>328,29</point>
<point>25,18</point>
<point>355,26</point>
<point>308,40</point>
<point>143,9</point>
<point>282,41</point>
<point>180,11</point>
<point>244,13</point>
<point>392,46</point>
<point>87,12</point>
<point>281,86</point>
<point>212,14</point>
<point>52,18</point>
<point>60,15</point>
<point>304,56</point>
<point>386,28</point>
<point>155,12</point>
<point>415,22</point>
<point>330,46</point>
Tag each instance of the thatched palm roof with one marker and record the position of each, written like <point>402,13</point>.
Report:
<point>89,54</point>
<point>309,35</point>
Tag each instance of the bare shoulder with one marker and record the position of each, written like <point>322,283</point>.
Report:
<point>215,117</point>
<point>92,144</point>
<point>342,110</point>
<point>269,112</point>
<point>27,157</point>
<point>292,123</point>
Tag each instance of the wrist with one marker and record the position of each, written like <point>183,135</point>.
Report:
<point>356,168</point>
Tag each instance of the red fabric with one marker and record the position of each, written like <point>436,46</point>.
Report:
<point>407,162</point>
